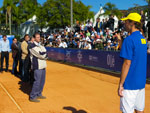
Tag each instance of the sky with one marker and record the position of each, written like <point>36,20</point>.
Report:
<point>120,4</point>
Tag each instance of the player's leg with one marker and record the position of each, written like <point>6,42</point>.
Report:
<point>140,101</point>
<point>127,102</point>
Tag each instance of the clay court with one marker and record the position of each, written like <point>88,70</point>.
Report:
<point>68,89</point>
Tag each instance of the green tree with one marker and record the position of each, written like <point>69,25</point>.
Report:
<point>21,11</point>
<point>53,13</point>
<point>27,9</point>
<point>57,12</point>
<point>82,12</point>
<point>41,17</point>
<point>8,9</point>
<point>110,9</point>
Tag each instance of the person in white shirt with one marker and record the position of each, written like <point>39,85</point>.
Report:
<point>63,44</point>
<point>68,29</point>
<point>88,46</point>
<point>81,44</point>
<point>82,27</point>
<point>4,50</point>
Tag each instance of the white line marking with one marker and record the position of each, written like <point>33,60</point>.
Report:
<point>11,98</point>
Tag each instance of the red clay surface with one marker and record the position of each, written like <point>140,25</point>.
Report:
<point>68,90</point>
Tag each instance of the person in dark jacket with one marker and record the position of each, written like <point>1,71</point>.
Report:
<point>111,22</point>
<point>15,51</point>
<point>98,25</point>
<point>148,26</point>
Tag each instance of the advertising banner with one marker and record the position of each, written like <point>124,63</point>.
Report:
<point>109,60</point>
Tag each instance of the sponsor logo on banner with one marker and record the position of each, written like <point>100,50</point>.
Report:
<point>52,52</point>
<point>93,58</point>
<point>110,60</point>
<point>68,53</point>
<point>59,56</point>
<point>79,56</point>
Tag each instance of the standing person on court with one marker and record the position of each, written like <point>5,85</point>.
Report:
<point>31,70</point>
<point>25,59</point>
<point>133,76</point>
<point>38,56</point>
<point>4,50</point>
<point>15,54</point>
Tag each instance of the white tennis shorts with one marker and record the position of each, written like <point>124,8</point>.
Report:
<point>132,100</point>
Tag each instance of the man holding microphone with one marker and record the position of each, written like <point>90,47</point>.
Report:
<point>133,77</point>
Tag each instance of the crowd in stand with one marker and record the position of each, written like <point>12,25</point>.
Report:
<point>84,36</point>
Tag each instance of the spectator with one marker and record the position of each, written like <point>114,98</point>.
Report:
<point>120,25</point>
<point>25,59</point>
<point>88,45</point>
<point>68,28</point>
<point>31,72</point>
<point>143,18</point>
<point>38,59</point>
<point>63,44</point>
<point>109,46</point>
<point>99,44</point>
<point>103,25</point>
<point>111,22</point>
<point>15,56</point>
<point>20,56</point>
<point>148,26</point>
<point>4,50</point>
<point>31,42</point>
<point>88,34</point>
<point>98,25</point>
<point>82,27</point>
<point>148,46</point>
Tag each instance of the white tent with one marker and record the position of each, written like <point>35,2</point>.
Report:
<point>30,27</point>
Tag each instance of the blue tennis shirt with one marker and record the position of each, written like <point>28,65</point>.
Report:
<point>134,48</point>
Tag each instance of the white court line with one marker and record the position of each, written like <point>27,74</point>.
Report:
<point>11,98</point>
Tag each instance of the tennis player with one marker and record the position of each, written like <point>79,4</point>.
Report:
<point>133,77</point>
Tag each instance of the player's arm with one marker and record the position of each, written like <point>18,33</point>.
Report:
<point>37,54</point>
<point>125,70</point>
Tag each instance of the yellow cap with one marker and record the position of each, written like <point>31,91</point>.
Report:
<point>133,16</point>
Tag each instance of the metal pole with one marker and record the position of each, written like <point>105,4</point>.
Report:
<point>71,15</point>
<point>10,22</point>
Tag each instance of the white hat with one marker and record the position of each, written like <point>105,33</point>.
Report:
<point>98,40</point>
